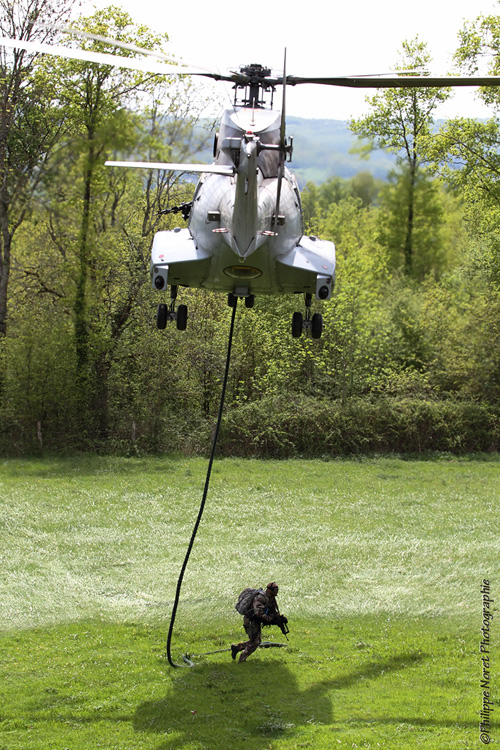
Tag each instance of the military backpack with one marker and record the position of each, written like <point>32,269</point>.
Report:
<point>245,600</point>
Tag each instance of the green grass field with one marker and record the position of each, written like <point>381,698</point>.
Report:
<point>380,564</point>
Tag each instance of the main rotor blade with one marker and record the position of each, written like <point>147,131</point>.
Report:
<point>398,82</point>
<point>125,45</point>
<point>130,63</point>
<point>194,168</point>
<point>149,66</point>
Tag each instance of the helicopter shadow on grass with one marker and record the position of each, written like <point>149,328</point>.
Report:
<point>226,704</point>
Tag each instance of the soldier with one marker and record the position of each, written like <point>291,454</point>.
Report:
<point>263,611</point>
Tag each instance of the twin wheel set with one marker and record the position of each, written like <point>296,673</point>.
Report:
<point>166,312</point>
<point>309,323</point>
<point>312,324</point>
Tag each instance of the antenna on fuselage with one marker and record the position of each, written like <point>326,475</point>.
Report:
<point>283,149</point>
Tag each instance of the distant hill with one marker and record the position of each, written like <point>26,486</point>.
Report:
<point>321,150</point>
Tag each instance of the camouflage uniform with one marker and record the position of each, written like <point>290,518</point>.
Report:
<point>264,612</point>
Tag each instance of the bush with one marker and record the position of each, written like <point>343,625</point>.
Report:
<point>278,427</point>
<point>309,427</point>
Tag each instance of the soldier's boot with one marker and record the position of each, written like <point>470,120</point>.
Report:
<point>234,650</point>
<point>245,654</point>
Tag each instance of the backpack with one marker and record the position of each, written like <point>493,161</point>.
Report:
<point>245,601</point>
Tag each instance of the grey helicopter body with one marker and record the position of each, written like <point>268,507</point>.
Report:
<point>244,235</point>
<point>235,241</point>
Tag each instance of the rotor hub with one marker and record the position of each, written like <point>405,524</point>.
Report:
<point>254,84</point>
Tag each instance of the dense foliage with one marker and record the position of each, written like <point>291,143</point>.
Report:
<point>409,359</point>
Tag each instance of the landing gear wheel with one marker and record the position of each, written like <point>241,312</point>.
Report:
<point>181,320</point>
<point>250,300</point>
<point>161,316</point>
<point>297,325</point>
<point>316,325</point>
<point>231,300</point>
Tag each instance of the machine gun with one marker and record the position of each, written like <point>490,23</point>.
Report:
<point>184,208</point>
<point>282,623</point>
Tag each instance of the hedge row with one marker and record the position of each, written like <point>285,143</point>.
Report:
<point>284,428</point>
<point>308,427</point>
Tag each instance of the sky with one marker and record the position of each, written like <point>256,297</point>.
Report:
<point>361,37</point>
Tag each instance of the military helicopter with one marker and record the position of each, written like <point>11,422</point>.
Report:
<point>245,234</point>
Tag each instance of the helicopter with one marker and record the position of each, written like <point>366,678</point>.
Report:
<point>245,232</point>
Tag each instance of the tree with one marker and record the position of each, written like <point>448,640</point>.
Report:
<point>87,246</point>
<point>94,97</point>
<point>356,338</point>
<point>29,123</point>
<point>436,215</point>
<point>316,200</point>
<point>480,49</point>
<point>467,152</point>
<point>401,121</point>
<point>467,155</point>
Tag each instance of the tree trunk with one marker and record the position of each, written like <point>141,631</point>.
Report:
<point>80,305</point>
<point>408,245</point>
<point>5,245</point>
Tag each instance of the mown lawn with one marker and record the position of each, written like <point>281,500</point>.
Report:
<point>380,563</point>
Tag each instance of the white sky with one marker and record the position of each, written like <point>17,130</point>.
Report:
<point>362,36</point>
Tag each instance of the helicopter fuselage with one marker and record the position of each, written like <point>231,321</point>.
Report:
<point>242,237</point>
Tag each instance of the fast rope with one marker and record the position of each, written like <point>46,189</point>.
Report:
<point>205,491</point>
<point>264,644</point>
